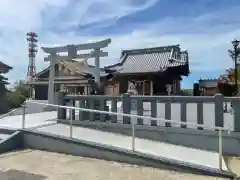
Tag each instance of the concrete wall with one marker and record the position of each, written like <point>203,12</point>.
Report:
<point>13,142</point>
<point>65,145</point>
<point>198,112</point>
<point>43,141</point>
<point>202,139</point>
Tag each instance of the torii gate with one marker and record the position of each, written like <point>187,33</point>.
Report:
<point>72,50</point>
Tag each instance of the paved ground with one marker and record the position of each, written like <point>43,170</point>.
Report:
<point>198,157</point>
<point>40,165</point>
<point>159,149</point>
<point>30,108</point>
<point>31,120</point>
<point>233,164</point>
<point>208,110</point>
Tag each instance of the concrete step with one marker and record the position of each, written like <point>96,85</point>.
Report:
<point>5,133</point>
<point>4,136</point>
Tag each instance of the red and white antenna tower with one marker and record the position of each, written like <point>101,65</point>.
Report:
<point>32,51</point>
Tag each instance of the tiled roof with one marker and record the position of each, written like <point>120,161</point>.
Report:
<point>207,83</point>
<point>4,68</point>
<point>73,67</point>
<point>151,60</point>
<point>5,65</point>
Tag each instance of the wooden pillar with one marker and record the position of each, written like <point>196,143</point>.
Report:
<point>143,87</point>
<point>174,86</point>
<point>86,89</point>
<point>151,87</point>
<point>178,86</point>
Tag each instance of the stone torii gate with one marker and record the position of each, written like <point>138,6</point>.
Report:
<point>72,50</point>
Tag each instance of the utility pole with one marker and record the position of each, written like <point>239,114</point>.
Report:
<point>235,44</point>
<point>32,51</point>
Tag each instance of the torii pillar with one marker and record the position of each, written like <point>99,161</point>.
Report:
<point>97,67</point>
<point>51,82</point>
<point>72,54</point>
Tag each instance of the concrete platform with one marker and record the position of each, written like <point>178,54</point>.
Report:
<point>46,122</point>
<point>31,120</point>
<point>178,153</point>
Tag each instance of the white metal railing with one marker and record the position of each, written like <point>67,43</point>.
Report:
<point>70,108</point>
<point>9,113</point>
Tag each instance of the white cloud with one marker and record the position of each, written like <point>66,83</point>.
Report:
<point>206,39</point>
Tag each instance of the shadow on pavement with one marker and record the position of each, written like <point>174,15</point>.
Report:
<point>14,174</point>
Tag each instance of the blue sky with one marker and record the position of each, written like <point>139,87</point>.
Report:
<point>203,27</point>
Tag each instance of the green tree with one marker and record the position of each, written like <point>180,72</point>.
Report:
<point>186,92</point>
<point>18,94</point>
<point>22,88</point>
<point>226,83</point>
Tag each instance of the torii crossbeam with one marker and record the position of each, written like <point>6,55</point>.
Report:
<point>72,50</point>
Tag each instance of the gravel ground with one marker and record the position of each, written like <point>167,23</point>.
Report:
<point>233,164</point>
<point>40,165</point>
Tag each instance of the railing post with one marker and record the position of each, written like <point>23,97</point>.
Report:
<point>220,148</point>
<point>126,104</point>
<point>183,106</point>
<point>200,115</point>
<point>219,111</point>
<point>61,112</point>
<point>154,112</point>
<point>133,136</point>
<point>114,109</point>
<point>71,123</point>
<point>168,109</point>
<point>236,112</point>
<point>140,112</point>
<point>23,115</point>
<point>81,113</point>
<point>73,110</point>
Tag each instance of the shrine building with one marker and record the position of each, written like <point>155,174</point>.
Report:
<point>66,73</point>
<point>208,87</point>
<point>151,70</point>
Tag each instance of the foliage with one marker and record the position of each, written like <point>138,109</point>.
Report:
<point>226,89</point>
<point>230,75</point>
<point>226,83</point>
<point>186,92</point>
<point>15,99</point>
<point>232,54</point>
<point>18,94</point>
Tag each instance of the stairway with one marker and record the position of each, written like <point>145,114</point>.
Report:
<point>5,133</point>
<point>3,136</point>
